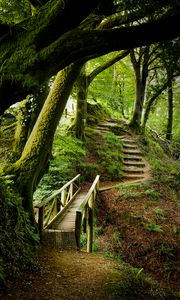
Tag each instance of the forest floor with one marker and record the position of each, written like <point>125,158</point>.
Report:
<point>67,275</point>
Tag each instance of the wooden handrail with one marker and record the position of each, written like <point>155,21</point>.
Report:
<point>87,209</point>
<point>65,200</point>
<point>92,188</point>
<point>55,193</point>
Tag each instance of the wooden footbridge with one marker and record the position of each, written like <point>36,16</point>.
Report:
<point>68,211</point>
<point>63,215</point>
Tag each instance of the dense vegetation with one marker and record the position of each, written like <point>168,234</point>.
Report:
<point>138,83</point>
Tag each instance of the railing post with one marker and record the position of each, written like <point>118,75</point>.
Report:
<point>71,190</point>
<point>78,229</point>
<point>90,222</point>
<point>40,222</point>
<point>63,197</point>
<point>55,209</point>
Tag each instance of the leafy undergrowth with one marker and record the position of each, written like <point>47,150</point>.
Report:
<point>140,224</point>
<point>18,239</point>
<point>103,156</point>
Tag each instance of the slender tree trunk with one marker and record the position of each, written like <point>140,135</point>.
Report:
<point>82,84</point>
<point>81,111</point>
<point>33,162</point>
<point>170,112</point>
<point>141,73</point>
<point>150,104</point>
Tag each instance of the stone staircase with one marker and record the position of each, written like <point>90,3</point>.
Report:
<point>135,167</point>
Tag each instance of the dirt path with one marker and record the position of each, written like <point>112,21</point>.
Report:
<point>68,275</point>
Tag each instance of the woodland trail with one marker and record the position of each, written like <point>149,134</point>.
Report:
<point>68,275</point>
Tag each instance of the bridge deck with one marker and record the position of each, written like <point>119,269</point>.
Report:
<point>67,221</point>
<point>61,233</point>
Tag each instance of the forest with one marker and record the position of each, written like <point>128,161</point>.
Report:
<point>92,88</point>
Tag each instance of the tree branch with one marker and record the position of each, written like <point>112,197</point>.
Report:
<point>109,63</point>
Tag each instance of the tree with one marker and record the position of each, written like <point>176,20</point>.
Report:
<point>82,84</point>
<point>140,66</point>
<point>33,162</point>
<point>36,48</point>
<point>169,69</point>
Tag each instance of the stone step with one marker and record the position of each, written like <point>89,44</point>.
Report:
<point>133,176</point>
<point>138,164</point>
<point>126,140</point>
<point>132,151</point>
<point>130,157</point>
<point>132,170</point>
<point>129,146</point>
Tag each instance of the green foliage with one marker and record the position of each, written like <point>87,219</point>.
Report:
<point>113,88</point>
<point>17,237</point>
<point>164,168</point>
<point>159,212</point>
<point>105,158</point>
<point>152,194</point>
<point>89,170</point>
<point>175,229</point>
<point>68,153</point>
<point>14,11</point>
<point>132,283</point>
<point>110,156</point>
<point>158,117</point>
<point>166,251</point>
<point>153,227</point>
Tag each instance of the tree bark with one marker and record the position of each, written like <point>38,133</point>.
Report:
<point>170,111</point>
<point>32,164</point>
<point>150,103</point>
<point>81,110</point>
<point>141,73</point>
<point>22,128</point>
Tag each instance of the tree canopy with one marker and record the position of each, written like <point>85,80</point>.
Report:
<point>61,32</point>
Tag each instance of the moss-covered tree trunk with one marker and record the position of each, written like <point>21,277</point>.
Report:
<point>170,111</point>
<point>28,112</point>
<point>140,66</point>
<point>21,133</point>
<point>81,110</point>
<point>33,162</point>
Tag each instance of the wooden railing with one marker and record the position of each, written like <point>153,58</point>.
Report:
<point>50,207</point>
<point>85,216</point>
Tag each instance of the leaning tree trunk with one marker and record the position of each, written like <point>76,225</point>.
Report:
<point>170,112</point>
<point>33,162</point>
<point>150,103</point>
